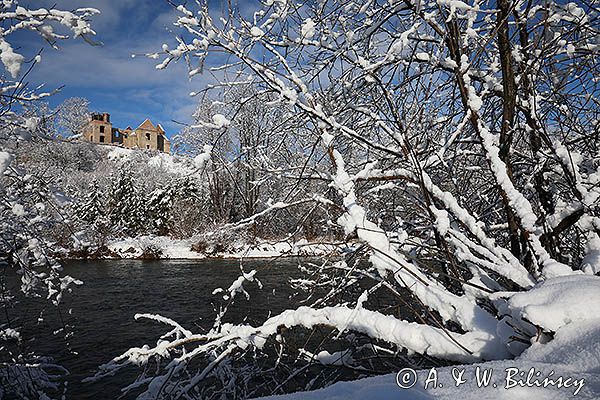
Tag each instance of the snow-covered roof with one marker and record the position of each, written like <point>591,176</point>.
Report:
<point>163,132</point>
<point>147,124</point>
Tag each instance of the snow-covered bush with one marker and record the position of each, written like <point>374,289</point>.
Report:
<point>458,142</point>
<point>30,204</point>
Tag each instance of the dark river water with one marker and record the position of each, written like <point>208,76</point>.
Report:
<point>102,309</point>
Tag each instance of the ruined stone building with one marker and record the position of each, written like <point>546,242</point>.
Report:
<point>146,136</point>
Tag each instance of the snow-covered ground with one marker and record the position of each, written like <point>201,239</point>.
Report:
<point>180,165</point>
<point>168,247</point>
<point>182,248</point>
<point>278,249</point>
<point>577,359</point>
<point>568,366</point>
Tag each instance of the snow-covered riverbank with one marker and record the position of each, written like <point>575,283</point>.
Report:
<point>168,248</point>
<point>574,353</point>
<point>568,366</point>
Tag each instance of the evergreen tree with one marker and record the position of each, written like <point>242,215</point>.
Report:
<point>161,201</point>
<point>159,207</point>
<point>92,208</point>
<point>127,204</point>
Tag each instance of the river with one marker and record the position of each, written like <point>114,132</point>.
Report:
<point>102,310</point>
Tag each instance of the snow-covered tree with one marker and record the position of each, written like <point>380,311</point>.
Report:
<point>93,206</point>
<point>253,143</point>
<point>29,203</point>
<point>160,213</point>
<point>461,139</point>
<point>72,116</point>
<point>127,203</point>
<point>44,116</point>
<point>160,203</point>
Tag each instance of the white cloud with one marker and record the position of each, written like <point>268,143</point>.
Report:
<point>129,88</point>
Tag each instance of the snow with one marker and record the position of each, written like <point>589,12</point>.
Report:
<point>415,337</point>
<point>220,121</point>
<point>5,160</point>
<point>384,387</point>
<point>173,164</point>
<point>573,353</point>
<point>401,44</point>
<point>18,210</point>
<point>201,159</point>
<point>120,153</point>
<point>12,61</point>
<point>9,334</point>
<point>591,262</point>
<point>559,301</point>
<point>324,357</point>
<point>475,101</point>
<point>170,248</point>
<point>423,56</point>
<point>238,286</point>
<point>256,32</point>
<point>182,248</point>
<point>449,63</point>
<point>308,29</point>
<point>442,222</point>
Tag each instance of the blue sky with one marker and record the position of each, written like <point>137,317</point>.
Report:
<point>130,89</point>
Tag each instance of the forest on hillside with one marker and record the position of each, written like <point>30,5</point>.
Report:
<point>209,194</point>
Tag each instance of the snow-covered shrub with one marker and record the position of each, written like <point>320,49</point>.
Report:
<point>30,205</point>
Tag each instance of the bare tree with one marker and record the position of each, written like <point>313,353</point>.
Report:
<point>73,115</point>
<point>251,144</point>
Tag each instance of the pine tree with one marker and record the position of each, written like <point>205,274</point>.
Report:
<point>161,202</point>
<point>92,206</point>
<point>159,210</point>
<point>127,205</point>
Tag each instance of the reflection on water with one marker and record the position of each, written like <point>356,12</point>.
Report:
<point>114,291</point>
